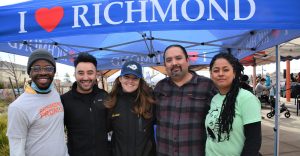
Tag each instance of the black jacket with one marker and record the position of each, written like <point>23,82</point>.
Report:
<point>86,122</point>
<point>132,134</point>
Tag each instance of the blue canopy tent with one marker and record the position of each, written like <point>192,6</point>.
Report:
<point>145,47</point>
<point>288,51</point>
<point>115,31</point>
<point>119,30</point>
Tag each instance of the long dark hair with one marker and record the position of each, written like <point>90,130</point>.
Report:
<point>228,106</point>
<point>143,102</point>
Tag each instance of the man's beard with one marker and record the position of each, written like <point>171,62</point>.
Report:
<point>176,73</point>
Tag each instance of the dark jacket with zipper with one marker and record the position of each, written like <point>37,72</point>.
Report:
<point>86,122</point>
<point>132,134</point>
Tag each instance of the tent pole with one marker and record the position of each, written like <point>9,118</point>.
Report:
<point>288,81</point>
<point>276,129</point>
<point>254,78</point>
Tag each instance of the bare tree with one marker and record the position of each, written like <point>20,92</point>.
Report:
<point>67,78</point>
<point>11,69</point>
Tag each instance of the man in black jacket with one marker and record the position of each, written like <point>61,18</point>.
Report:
<point>85,114</point>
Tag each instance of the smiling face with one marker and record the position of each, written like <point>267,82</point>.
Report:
<point>85,74</point>
<point>129,83</point>
<point>222,75</point>
<point>42,78</point>
<point>176,63</point>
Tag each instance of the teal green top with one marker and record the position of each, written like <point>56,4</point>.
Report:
<point>247,110</point>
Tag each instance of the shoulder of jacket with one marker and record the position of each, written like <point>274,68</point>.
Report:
<point>67,94</point>
<point>202,78</point>
<point>162,82</point>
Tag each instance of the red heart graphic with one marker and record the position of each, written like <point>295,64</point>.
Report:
<point>48,19</point>
<point>193,56</point>
<point>275,33</point>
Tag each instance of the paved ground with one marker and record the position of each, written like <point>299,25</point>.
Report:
<point>289,139</point>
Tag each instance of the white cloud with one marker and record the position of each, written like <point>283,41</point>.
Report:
<point>10,2</point>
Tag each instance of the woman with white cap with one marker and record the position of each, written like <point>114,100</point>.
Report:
<point>131,118</point>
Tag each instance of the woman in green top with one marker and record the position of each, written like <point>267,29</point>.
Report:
<point>233,123</point>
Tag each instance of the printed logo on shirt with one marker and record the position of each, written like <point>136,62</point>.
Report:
<point>115,115</point>
<point>51,109</point>
<point>214,126</point>
<point>97,100</point>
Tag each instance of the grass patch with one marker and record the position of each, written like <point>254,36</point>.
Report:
<point>3,103</point>
<point>4,147</point>
<point>3,106</point>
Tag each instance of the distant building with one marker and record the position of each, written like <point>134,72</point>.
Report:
<point>6,69</point>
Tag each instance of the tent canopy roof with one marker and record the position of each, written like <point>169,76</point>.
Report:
<point>115,31</point>
<point>288,51</point>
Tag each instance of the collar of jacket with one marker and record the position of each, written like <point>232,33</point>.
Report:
<point>122,93</point>
<point>28,89</point>
<point>74,91</point>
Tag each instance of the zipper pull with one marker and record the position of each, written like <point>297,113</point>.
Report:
<point>90,109</point>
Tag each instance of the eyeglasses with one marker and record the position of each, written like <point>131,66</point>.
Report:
<point>47,69</point>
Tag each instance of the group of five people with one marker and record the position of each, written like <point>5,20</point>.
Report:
<point>186,114</point>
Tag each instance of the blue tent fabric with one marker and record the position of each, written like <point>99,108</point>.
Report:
<point>113,57</point>
<point>119,30</point>
<point>89,16</point>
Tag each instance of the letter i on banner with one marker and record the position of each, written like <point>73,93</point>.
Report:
<point>22,22</point>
